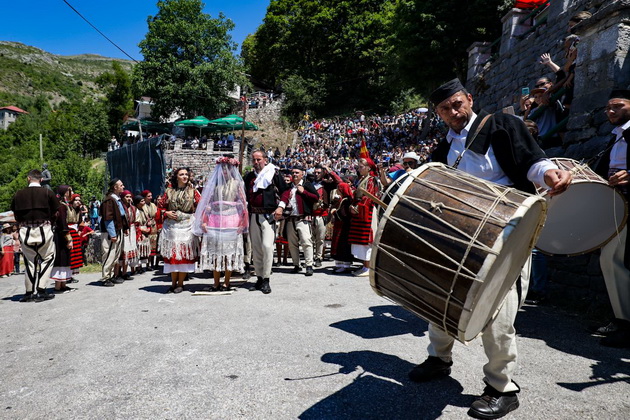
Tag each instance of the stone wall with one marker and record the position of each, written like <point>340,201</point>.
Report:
<point>602,64</point>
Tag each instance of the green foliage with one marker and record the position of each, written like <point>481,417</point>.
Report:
<point>188,61</point>
<point>430,38</point>
<point>366,53</point>
<point>119,98</point>
<point>302,96</point>
<point>406,100</point>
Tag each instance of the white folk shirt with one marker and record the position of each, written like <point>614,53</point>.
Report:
<point>619,151</point>
<point>486,166</point>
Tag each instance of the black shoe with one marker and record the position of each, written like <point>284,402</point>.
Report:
<point>265,287</point>
<point>430,369</point>
<point>28,297</point>
<point>619,339</point>
<point>309,271</point>
<point>493,404</point>
<point>246,274</point>
<point>534,298</point>
<point>126,277</point>
<point>72,280</point>
<point>117,280</point>
<point>42,295</point>
<point>258,284</point>
<point>604,330</point>
<point>296,269</point>
<point>318,263</point>
<point>108,283</point>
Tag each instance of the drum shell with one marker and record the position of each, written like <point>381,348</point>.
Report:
<point>419,246</point>
<point>585,217</point>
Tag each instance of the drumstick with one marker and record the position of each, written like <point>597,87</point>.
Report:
<point>373,198</point>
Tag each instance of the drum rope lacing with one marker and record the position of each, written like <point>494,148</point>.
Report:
<point>500,197</point>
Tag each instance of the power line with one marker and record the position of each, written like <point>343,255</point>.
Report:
<point>97,30</point>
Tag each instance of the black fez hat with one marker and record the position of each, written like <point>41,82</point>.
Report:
<point>445,91</point>
<point>620,94</point>
<point>113,182</point>
<point>299,167</point>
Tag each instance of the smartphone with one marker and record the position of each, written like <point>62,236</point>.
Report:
<point>525,91</point>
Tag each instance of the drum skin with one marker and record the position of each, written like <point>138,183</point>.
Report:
<point>585,217</point>
<point>450,246</point>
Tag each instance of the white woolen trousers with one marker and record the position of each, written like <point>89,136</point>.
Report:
<point>616,275</point>
<point>498,338</point>
<point>262,234</point>
<point>299,234</point>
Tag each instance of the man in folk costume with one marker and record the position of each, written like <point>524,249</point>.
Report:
<point>263,185</point>
<point>150,211</point>
<point>299,199</point>
<point>320,214</point>
<point>35,209</point>
<point>615,257</point>
<point>363,221</point>
<point>113,225</point>
<point>498,148</point>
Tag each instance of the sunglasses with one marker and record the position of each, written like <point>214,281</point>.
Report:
<point>539,85</point>
<point>407,163</point>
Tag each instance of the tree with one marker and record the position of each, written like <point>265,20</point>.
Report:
<point>118,96</point>
<point>339,45</point>
<point>188,66</point>
<point>431,37</point>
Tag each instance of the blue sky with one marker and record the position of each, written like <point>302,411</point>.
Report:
<point>54,27</point>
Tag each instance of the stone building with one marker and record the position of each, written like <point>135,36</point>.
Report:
<point>8,115</point>
<point>498,71</point>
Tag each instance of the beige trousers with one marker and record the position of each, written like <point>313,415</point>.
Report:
<point>299,234</point>
<point>111,253</point>
<point>262,235</point>
<point>38,247</point>
<point>616,275</point>
<point>319,235</point>
<point>498,338</point>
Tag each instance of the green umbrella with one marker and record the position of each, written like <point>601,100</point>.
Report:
<point>198,122</point>
<point>146,126</point>
<point>233,122</point>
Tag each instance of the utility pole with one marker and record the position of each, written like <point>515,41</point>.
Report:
<point>241,149</point>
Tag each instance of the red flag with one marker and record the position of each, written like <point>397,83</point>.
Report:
<point>363,153</point>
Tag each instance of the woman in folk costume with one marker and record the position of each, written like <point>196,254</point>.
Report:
<point>220,221</point>
<point>129,254</point>
<point>177,244</point>
<point>61,271</point>
<point>340,248</point>
<point>73,218</point>
<point>6,251</point>
<point>142,233</point>
<point>362,222</point>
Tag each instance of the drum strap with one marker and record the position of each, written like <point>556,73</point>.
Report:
<point>600,154</point>
<point>472,139</point>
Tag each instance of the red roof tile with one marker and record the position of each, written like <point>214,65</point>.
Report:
<point>14,109</point>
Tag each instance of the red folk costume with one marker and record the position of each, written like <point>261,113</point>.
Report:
<point>361,232</point>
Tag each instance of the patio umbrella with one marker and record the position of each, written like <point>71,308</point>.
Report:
<point>146,126</point>
<point>233,122</point>
<point>198,122</point>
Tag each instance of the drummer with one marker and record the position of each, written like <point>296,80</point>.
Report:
<point>504,152</point>
<point>615,257</point>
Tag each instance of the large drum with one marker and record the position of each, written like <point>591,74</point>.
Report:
<point>450,246</point>
<point>583,218</point>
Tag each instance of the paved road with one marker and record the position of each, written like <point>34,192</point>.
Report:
<point>321,347</point>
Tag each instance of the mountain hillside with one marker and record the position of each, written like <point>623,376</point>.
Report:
<point>27,72</point>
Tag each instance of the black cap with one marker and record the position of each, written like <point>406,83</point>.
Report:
<point>620,94</point>
<point>113,182</point>
<point>299,167</point>
<point>445,91</point>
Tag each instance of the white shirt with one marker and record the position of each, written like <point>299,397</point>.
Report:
<point>486,166</point>
<point>619,151</point>
<point>292,201</point>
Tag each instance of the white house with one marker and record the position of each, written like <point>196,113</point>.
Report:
<point>9,114</point>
